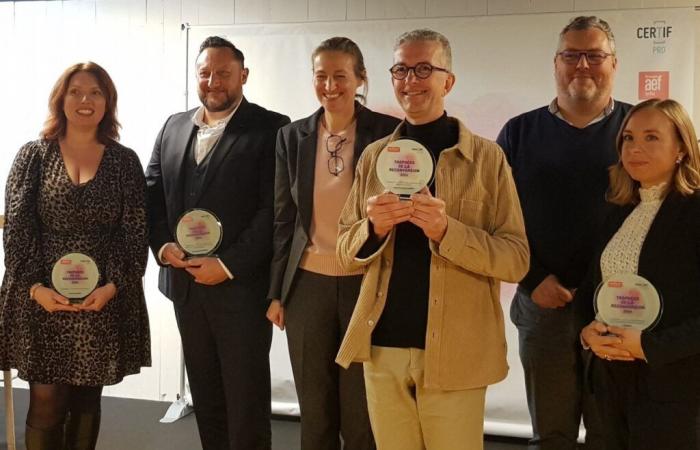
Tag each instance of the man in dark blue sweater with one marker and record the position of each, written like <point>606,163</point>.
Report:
<point>560,154</point>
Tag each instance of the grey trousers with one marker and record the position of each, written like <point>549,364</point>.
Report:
<point>332,399</point>
<point>551,356</point>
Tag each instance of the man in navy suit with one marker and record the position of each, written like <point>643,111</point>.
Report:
<point>220,157</point>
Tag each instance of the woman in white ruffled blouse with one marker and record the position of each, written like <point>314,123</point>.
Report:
<point>647,383</point>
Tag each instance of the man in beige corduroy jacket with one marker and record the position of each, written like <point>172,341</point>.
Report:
<point>428,322</point>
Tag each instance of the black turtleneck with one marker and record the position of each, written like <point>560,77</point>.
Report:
<point>405,316</point>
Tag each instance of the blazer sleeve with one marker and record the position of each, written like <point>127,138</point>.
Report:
<point>502,254</point>
<point>285,215</point>
<point>253,246</point>
<point>158,231</point>
<point>682,340</point>
<point>673,343</point>
<point>128,266</point>
<point>24,257</point>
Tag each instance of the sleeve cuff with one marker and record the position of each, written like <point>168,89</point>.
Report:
<point>160,255</point>
<point>452,243</point>
<point>583,342</point>
<point>223,266</point>
<point>377,247</point>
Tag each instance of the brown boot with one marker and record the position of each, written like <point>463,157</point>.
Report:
<point>81,431</point>
<point>36,439</point>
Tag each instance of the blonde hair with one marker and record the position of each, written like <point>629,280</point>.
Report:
<point>686,178</point>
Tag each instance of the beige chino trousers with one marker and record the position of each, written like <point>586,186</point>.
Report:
<point>406,416</point>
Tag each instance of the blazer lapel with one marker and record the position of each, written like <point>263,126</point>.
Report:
<point>660,229</point>
<point>306,168</point>
<point>175,161</point>
<point>233,131</point>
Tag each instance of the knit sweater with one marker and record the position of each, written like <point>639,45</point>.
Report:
<point>330,192</point>
<point>405,315</point>
<point>561,173</point>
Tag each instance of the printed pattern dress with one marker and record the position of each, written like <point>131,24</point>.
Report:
<point>47,216</point>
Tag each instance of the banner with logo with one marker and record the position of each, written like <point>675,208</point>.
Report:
<point>503,67</point>
<point>661,62</point>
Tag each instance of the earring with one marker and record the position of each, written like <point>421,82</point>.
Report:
<point>679,159</point>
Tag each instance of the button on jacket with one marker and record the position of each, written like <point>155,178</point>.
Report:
<point>484,243</point>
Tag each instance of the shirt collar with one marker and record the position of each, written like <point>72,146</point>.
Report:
<point>198,118</point>
<point>554,109</point>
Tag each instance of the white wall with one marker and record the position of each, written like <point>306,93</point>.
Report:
<point>141,44</point>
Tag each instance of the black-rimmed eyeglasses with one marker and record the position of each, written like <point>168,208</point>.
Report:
<point>594,58</point>
<point>334,144</point>
<point>420,70</point>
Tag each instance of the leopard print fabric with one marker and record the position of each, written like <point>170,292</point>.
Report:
<point>48,216</point>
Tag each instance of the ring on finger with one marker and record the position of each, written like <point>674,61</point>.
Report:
<point>607,358</point>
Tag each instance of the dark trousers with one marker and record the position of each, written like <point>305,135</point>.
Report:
<point>551,356</point>
<point>632,420</point>
<point>332,399</point>
<point>226,343</point>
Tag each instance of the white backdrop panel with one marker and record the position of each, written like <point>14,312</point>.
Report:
<point>503,65</point>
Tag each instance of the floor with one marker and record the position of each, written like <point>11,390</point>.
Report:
<point>133,425</point>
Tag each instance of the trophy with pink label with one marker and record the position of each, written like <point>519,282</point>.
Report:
<point>199,232</point>
<point>405,167</point>
<point>75,276</point>
<point>628,301</point>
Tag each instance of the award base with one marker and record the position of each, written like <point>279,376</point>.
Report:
<point>188,257</point>
<point>177,410</point>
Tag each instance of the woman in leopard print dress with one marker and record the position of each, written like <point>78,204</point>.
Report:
<point>74,190</point>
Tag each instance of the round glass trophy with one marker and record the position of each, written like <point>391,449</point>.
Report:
<point>628,301</point>
<point>75,276</point>
<point>199,232</point>
<point>405,167</point>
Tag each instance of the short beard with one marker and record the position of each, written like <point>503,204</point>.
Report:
<point>584,95</point>
<point>230,101</point>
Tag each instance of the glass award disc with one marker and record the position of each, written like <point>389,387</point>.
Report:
<point>75,276</point>
<point>199,232</point>
<point>628,301</point>
<point>405,167</point>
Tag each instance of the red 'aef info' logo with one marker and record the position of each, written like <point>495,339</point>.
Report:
<point>653,85</point>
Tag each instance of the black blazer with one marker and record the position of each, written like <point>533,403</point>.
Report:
<point>294,186</point>
<point>670,260</point>
<point>238,188</point>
